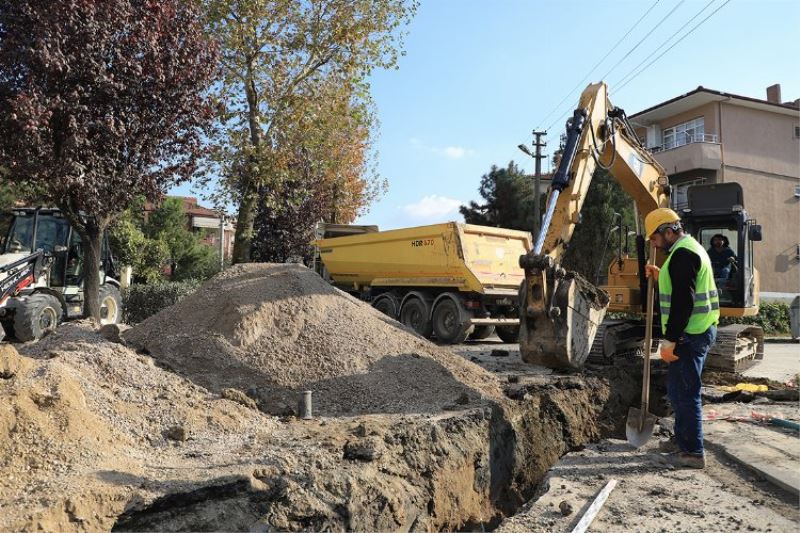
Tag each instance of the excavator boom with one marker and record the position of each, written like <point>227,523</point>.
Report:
<point>560,312</point>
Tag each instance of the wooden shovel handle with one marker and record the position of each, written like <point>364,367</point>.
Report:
<point>648,333</point>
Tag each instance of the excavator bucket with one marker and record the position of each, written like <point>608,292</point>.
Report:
<point>560,313</point>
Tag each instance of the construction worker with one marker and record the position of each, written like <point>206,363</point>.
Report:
<point>689,314</point>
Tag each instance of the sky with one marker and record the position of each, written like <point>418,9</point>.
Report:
<point>478,76</point>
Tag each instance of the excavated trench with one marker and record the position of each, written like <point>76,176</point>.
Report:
<point>464,469</point>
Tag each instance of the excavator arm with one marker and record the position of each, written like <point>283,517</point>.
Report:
<point>559,311</point>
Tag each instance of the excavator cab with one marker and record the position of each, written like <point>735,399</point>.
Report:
<point>716,217</point>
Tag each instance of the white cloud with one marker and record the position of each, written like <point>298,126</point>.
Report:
<point>433,206</point>
<point>455,152</point>
<point>450,152</point>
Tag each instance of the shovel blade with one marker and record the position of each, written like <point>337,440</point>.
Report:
<point>639,427</point>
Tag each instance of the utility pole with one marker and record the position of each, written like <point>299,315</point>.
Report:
<point>537,180</point>
<point>537,177</point>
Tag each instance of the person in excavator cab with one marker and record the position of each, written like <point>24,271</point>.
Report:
<point>689,305</point>
<point>723,259</point>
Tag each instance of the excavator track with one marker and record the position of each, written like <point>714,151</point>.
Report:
<point>737,348</point>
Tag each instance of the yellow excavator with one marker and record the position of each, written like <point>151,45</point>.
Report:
<point>562,314</point>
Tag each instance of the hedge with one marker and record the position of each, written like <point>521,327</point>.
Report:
<point>772,317</point>
<point>140,301</point>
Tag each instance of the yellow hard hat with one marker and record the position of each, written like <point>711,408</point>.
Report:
<point>658,217</point>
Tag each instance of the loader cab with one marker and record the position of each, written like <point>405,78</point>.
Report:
<point>31,229</point>
<point>717,219</point>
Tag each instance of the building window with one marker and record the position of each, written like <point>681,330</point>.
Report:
<point>680,197</point>
<point>684,133</point>
<point>797,132</point>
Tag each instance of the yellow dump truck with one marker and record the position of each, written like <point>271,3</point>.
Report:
<point>448,281</point>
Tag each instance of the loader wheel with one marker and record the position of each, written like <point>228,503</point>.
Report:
<point>36,316</point>
<point>447,325</point>
<point>110,305</point>
<point>508,334</point>
<point>481,332</point>
<point>414,314</point>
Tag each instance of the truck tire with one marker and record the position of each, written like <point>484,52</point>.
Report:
<point>481,332</point>
<point>414,314</point>
<point>447,322</point>
<point>110,304</point>
<point>36,316</point>
<point>387,304</point>
<point>508,334</point>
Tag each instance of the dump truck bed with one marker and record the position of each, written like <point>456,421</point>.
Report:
<point>464,257</point>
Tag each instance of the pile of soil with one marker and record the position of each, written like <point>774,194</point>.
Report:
<point>79,414</point>
<point>273,330</point>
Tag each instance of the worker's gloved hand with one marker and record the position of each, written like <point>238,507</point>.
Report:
<point>652,271</point>
<point>668,351</point>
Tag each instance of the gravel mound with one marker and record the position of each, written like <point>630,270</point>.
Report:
<point>275,329</point>
<point>77,411</point>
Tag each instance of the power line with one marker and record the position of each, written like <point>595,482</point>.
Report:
<point>673,46</point>
<point>578,85</point>
<point>659,47</point>
<point>660,22</point>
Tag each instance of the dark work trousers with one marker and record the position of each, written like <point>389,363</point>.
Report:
<point>683,389</point>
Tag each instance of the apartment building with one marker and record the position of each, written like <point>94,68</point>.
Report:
<point>707,136</point>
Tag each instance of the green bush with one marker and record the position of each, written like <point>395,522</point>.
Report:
<point>772,317</point>
<point>140,301</point>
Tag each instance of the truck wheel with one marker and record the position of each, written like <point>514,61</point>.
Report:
<point>110,305</point>
<point>508,334</point>
<point>414,314</point>
<point>447,325</point>
<point>481,332</point>
<point>36,316</point>
<point>387,304</point>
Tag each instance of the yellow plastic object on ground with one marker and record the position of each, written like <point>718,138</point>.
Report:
<point>749,387</point>
<point>464,257</point>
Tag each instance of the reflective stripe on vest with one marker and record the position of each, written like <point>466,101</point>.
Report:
<point>705,312</point>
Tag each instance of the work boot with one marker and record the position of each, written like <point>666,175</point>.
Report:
<point>687,460</point>
<point>668,446</point>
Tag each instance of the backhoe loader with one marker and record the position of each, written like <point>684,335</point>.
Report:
<point>41,274</point>
<point>561,314</point>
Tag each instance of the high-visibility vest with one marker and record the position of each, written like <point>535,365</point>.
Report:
<point>706,300</point>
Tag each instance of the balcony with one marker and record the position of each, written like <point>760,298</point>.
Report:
<point>690,152</point>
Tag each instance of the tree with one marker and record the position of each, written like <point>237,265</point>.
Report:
<point>326,179</point>
<point>593,244</point>
<point>186,256</point>
<point>132,248</point>
<point>276,55</point>
<point>102,102</point>
<point>508,200</point>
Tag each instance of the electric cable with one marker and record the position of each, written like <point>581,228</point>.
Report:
<point>643,39</point>
<point>578,85</point>
<point>673,46</point>
<point>659,47</point>
<point>633,49</point>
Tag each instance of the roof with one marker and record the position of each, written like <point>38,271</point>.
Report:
<point>702,96</point>
<point>190,207</point>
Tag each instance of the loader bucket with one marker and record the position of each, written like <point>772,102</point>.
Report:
<point>560,333</point>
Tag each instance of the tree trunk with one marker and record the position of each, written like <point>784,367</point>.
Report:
<point>92,244</point>
<point>243,239</point>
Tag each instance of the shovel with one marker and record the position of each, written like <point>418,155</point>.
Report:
<point>640,423</point>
